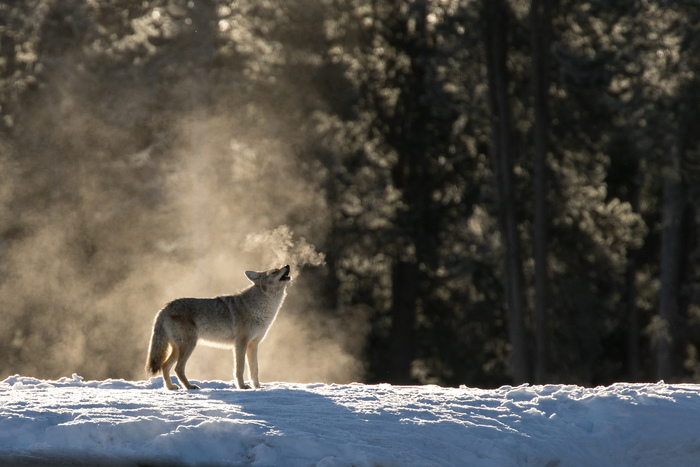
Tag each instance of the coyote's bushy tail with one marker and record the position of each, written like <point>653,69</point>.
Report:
<point>158,349</point>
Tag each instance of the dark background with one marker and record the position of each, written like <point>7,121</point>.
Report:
<point>503,191</point>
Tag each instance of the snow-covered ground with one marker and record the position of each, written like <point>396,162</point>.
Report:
<point>117,422</point>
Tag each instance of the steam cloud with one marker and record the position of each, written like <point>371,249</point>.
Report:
<point>277,247</point>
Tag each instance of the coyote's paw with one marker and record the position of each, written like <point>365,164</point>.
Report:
<point>193,386</point>
<point>173,387</point>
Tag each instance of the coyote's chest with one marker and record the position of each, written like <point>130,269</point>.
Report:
<point>259,320</point>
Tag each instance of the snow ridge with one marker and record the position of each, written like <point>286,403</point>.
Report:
<point>117,422</point>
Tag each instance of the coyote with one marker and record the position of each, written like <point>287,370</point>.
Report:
<point>233,321</point>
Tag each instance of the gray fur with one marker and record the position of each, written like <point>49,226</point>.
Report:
<point>238,321</point>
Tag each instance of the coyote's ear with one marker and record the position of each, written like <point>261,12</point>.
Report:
<point>253,276</point>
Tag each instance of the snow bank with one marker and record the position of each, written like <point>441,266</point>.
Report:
<point>116,422</point>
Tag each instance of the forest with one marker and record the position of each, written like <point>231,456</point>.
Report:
<point>502,191</point>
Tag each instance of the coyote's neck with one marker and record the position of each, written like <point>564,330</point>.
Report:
<point>269,300</point>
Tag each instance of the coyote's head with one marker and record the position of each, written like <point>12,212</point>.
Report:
<point>273,278</point>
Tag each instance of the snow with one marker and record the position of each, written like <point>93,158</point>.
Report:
<point>117,422</point>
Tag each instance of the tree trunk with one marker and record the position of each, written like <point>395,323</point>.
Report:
<point>672,312</point>
<point>496,45</point>
<point>540,25</point>
<point>410,177</point>
<point>633,330</point>
<point>633,358</point>
<point>669,341</point>
<point>403,316</point>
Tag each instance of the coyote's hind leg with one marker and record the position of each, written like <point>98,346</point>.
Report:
<point>167,365</point>
<point>184,353</point>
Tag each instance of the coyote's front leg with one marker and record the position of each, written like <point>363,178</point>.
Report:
<point>253,362</point>
<point>239,360</point>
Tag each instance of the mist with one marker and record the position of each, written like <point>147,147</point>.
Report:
<point>157,149</point>
<point>133,174</point>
